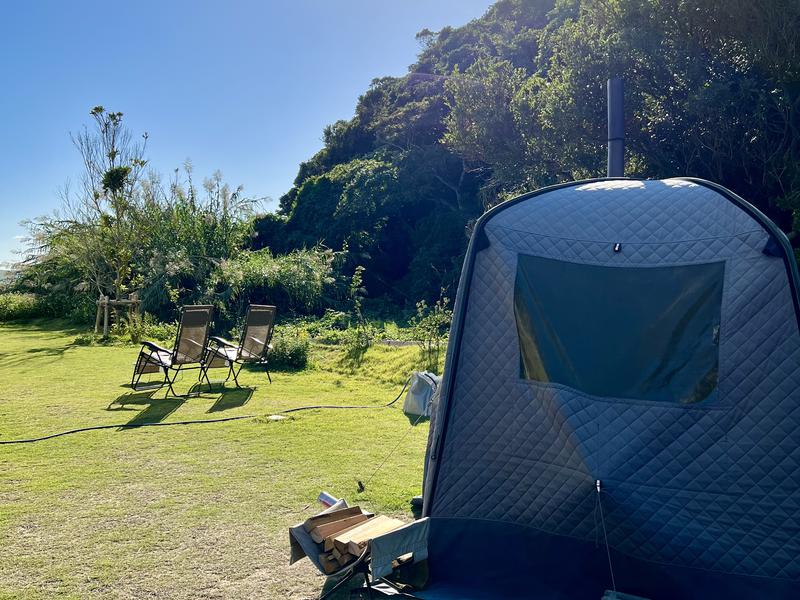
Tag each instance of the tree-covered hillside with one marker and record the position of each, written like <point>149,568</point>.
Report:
<point>516,100</point>
<point>510,102</point>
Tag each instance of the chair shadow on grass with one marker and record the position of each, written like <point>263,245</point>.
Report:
<point>150,410</point>
<point>230,397</point>
<point>156,410</point>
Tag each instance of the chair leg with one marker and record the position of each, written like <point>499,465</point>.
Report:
<point>133,385</point>
<point>169,381</point>
<point>204,373</point>
<point>138,371</point>
<point>266,370</point>
<point>236,374</point>
<point>134,378</point>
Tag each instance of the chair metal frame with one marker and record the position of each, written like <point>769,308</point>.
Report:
<point>242,357</point>
<point>150,361</point>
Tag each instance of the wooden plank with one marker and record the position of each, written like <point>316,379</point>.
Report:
<point>353,540</point>
<point>330,517</point>
<point>329,545</point>
<point>344,559</point>
<point>329,564</point>
<point>402,559</point>
<point>320,532</point>
<point>358,543</point>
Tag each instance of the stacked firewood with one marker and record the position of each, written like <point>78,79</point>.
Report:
<point>343,535</point>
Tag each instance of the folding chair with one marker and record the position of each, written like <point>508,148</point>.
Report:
<point>189,349</point>
<point>252,349</point>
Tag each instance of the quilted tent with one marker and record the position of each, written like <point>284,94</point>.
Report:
<point>620,406</point>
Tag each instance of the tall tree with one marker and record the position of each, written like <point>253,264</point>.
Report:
<point>99,225</point>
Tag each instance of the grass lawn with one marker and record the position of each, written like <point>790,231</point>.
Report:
<point>190,511</point>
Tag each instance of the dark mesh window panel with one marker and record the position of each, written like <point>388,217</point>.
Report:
<point>639,333</point>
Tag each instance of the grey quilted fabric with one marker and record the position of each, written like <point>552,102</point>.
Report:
<point>713,485</point>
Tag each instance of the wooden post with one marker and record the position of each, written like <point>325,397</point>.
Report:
<point>105,317</point>
<point>134,311</point>
<point>99,313</point>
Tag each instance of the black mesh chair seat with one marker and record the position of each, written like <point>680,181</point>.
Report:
<point>188,352</point>
<point>253,348</point>
<point>162,358</point>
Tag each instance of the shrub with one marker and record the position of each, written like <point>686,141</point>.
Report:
<point>358,339</point>
<point>132,329</point>
<point>293,282</point>
<point>146,327</point>
<point>290,348</point>
<point>58,289</point>
<point>15,306</point>
<point>152,329</point>
<point>332,320</point>
<point>332,337</point>
<point>135,328</point>
<point>392,331</point>
<point>86,339</point>
<point>431,326</point>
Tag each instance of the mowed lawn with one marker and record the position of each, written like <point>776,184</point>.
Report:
<point>187,511</point>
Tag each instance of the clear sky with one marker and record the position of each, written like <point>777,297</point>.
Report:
<point>243,86</point>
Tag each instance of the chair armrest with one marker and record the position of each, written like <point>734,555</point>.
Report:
<point>222,342</point>
<point>155,347</point>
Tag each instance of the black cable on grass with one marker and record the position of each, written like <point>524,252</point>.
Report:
<point>199,421</point>
<point>123,426</point>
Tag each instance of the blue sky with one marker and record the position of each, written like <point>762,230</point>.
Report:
<point>241,86</point>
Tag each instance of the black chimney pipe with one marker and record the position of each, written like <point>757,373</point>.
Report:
<point>616,128</point>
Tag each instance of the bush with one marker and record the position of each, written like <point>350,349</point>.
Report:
<point>15,306</point>
<point>153,329</point>
<point>327,329</point>
<point>132,329</point>
<point>290,348</point>
<point>431,326</point>
<point>86,339</point>
<point>293,282</point>
<point>332,337</point>
<point>146,327</point>
<point>358,338</point>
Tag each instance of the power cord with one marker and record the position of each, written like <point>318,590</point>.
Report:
<point>122,426</point>
<point>199,421</point>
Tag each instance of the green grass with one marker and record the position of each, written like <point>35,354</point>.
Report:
<point>196,511</point>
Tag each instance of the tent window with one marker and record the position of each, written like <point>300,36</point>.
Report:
<point>641,333</point>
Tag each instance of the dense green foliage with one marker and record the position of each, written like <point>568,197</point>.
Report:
<point>291,349</point>
<point>296,281</point>
<point>512,101</point>
<point>173,243</point>
<point>15,306</point>
<point>516,100</point>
